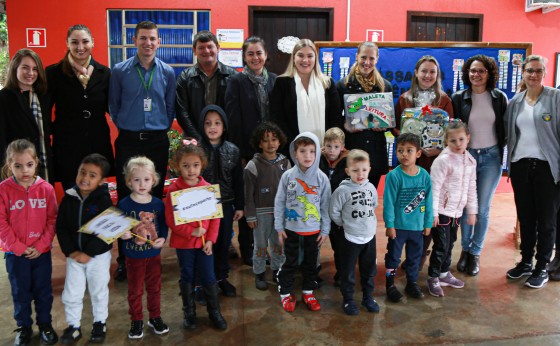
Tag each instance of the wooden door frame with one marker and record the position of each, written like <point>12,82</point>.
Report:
<point>410,14</point>
<point>329,11</point>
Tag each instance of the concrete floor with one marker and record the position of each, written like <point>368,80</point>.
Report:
<point>490,310</point>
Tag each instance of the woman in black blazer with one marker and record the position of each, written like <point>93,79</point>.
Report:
<point>25,109</point>
<point>78,87</point>
<point>247,96</point>
<point>304,78</point>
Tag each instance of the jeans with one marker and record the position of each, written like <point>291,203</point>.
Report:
<point>488,173</point>
<point>414,244</point>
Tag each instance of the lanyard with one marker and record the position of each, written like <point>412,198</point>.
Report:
<point>147,87</point>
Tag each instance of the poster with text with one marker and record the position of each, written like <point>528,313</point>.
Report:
<point>196,204</point>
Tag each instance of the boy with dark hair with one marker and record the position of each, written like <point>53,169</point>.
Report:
<point>262,175</point>
<point>88,257</point>
<point>408,214</point>
<point>301,214</point>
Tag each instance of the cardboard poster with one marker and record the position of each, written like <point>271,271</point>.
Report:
<point>196,204</point>
<point>367,111</point>
<point>109,225</point>
<point>427,122</point>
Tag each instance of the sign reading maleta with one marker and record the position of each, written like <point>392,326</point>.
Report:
<point>36,37</point>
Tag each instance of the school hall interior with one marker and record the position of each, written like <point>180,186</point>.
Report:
<point>489,310</point>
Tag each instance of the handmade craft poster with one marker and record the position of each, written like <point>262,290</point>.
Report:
<point>109,225</point>
<point>368,111</point>
<point>427,122</point>
<point>196,204</point>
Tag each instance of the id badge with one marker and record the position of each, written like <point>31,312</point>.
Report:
<point>147,105</point>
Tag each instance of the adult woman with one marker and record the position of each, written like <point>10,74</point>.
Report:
<point>532,121</point>
<point>303,99</point>
<point>79,88</point>
<point>481,106</point>
<point>24,108</point>
<point>425,89</point>
<point>364,78</point>
<point>247,105</point>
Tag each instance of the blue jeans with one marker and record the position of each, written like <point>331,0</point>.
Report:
<point>488,174</point>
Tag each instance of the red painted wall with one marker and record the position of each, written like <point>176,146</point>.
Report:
<point>504,20</point>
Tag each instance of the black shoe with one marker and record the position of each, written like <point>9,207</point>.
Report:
<point>393,294</point>
<point>71,335</point>
<point>213,307</point>
<point>350,308</point>
<point>474,265</point>
<point>23,336</point>
<point>98,332</point>
<point>537,279</point>
<point>260,282</point>
<point>463,261</point>
<point>136,330</point>
<point>199,296</point>
<point>47,335</point>
<point>228,290</point>
<point>120,273</point>
<point>158,326</point>
<point>189,308</point>
<point>413,290</point>
<point>520,269</point>
<point>275,276</point>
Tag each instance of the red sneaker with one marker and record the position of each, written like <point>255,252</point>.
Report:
<point>311,302</point>
<point>289,303</point>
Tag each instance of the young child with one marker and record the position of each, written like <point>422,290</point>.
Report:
<point>261,176</point>
<point>27,225</point>
<point>193,253</point>
<point>301,214</point>
<point>224,168</point>
<point>88,257</point>
<point>407,211</point>
<point>333,164</point>
<point>453,187</point>
<point>143,261</point>
<point>352,207</point>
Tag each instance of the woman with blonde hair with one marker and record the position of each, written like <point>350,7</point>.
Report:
<point>303,99</point>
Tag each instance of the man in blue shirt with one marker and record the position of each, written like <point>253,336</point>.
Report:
<point>142,106</point>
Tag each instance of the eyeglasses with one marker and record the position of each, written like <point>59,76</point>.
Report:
<point>474,71</point>
<point>530,71</point>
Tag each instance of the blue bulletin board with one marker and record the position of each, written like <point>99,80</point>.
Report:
<point>397,60</point>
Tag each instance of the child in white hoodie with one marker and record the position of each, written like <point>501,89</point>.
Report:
<point>453,177</point>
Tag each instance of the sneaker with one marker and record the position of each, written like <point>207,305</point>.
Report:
<point>228,290</point>
<point>434,287</point>
<point>136,330</point>
<point>311,302</point>
<point>200,296</point>
<point>413,290</point>
<point>370,304</point>
<point>350,308</point>
<point>23,336</point>
<point>260,282</point>
<point>120,273</point>
<point>451,281</point>
<point>158,326</point>
<point>393,294</point>
<point>289,303</point>
<point>521,269</point>
<point>98,332</point>
<point>47,335</point>
<point>71,335</point>
<point>537,279</point>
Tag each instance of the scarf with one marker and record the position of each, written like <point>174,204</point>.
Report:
<point>83,73</point>
<point>37,114</point>
<point>366,83</point>
<point>311,106</point>
<point>259,83</point>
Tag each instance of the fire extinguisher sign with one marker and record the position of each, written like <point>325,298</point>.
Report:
<point>36,37</point>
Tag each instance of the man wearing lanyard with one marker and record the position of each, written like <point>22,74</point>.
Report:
<point>142,106</point>
<point>202,84</point>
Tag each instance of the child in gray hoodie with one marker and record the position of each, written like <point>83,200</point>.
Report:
<point>353,206</point>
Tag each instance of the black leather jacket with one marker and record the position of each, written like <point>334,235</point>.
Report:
<point>462,105</point>
<point>191,96</point>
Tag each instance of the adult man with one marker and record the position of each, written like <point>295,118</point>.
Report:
<point>141,104</point>
<point>202,84</point>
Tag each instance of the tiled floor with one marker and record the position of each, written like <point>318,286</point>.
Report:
<point>490,310</point>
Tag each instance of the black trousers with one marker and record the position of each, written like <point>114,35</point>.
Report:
<point>444,237</point>
<point>286,274</point>
<point>245,239</point>
<point>336,237</point>
<point>537,200</point>
<point>366,257</point>
<point>220,249</point>
<point>152,144</point>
